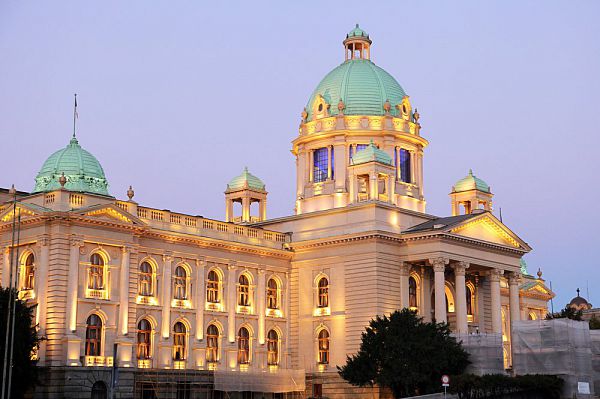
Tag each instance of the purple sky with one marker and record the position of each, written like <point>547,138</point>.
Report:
<point>176,98</point>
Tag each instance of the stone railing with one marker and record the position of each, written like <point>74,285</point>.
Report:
<point>358,122</point>
<point>198,225</point>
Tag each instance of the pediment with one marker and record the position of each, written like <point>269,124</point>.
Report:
<point>22,209</point>
<point>110,213</point>
<point>487,228</point>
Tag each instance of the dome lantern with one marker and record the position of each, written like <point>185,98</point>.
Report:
<point>357,44</point>
<point>470,194</point>
<point>245,189</point>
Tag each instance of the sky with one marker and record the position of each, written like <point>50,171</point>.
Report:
<point>176,97</point>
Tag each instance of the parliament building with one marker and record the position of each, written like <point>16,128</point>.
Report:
<point>180,306</point>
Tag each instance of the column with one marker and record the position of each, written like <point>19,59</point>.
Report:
<point>513,294</point>
<point>72,285</point>
<point>300,171</point>
<point>340,159</point>
<point>439,267</point>
<point>41,281</point>
<point>311,170</point>
<point>124,290</point>
<point>413,166</point>
<point>166,296</point>
<point>261,306</point>
<point>404,297</point>
<point>328,162</point>
<point>231,302</point>
<point>245,209</point>
<point>425,295</point>
<point>262,209</point>
<point>200,297</point>
<point>496,311</point>
<point>461,297</point>
<point>228,210</point>
<point>373,186</point>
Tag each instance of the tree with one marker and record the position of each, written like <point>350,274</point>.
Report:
<point>405,354</point>
<point>594,323</point>
<point>567,313</point>
<point>26,343</point>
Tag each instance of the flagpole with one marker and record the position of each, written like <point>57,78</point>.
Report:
<point>74,114</point>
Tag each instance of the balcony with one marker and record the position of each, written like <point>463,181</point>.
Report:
<point>181,303</point>
<point>144,363</point>
<point>274,312</point>
<point>96,294</point>
<point>98,361</point>
<point>146,300</point>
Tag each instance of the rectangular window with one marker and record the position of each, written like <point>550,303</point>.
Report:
<point>358,148</point>
<point>332,163</point>
<point>320,162</point>
<point>405,172</point>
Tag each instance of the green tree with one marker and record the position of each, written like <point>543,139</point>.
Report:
<point>594,323</point>
<point>405,354</point>
<point>567,313</point>
<point>26,343</point>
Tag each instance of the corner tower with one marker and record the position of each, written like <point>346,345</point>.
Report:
<point>356,103</point>
<point>245,189</point>
<point>470,193</point>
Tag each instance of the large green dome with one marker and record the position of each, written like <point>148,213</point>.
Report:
<point>82,171</point>
<point>362,86</point>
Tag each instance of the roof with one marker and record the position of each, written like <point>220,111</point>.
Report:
<point>362,86</point>
<point>81,169</point>
<point>357,32</point>
<point>246,180</point>
<point>470,182</point>
<point>523,266</point>
<point>439,223</point>
<point>371,153</point>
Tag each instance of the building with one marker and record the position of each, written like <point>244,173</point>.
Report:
<point>164,296</point>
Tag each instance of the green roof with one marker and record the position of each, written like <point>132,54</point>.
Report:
<point>82,170</point>
<point>357,31</point>
<point>246,180</point>
<point>523,266</point>
<point>362,86</point>
<point>470,182</point>
<point>371,153</point>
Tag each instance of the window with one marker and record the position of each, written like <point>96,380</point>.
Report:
<point>405,173</point>
<point>243,346</point>
<point>243,291</point>
<point>93,335</point>
<point>272,348</point>
<point>469,301</point>
<point>324,347</point>
<point>212,344</point>
<point>272,294</point>
<point>323,288</point>
<point>412,292</point>
<point>179,333</point>
<point>146,279</point>
<point>180,281</point>
<point>96,273</point>
<point>28,273</point>
<point>143,337</point>
<point>212,287</point>
<point>99,390</point>
<point>320,164</point>
<point>359,147</point>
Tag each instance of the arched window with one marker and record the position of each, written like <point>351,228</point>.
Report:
<point>324,347</point>
<point>323,288</point>
<point>532,316</point>
<point>179,333</point>
<point>28,272</point>
<point>146,280</point>
<point>144,337</point>
<point>469,301</point>
<point>96,272</point>
<point>412,293</point>
<point>243,291</point>
<point>212,344</point>
<point>99,390</point>
<point>272,294</point>
<point>180,281</point>
<point>243,346</point>
<point>212,287</point>
<point>93,336</point>
<point>272,348</point>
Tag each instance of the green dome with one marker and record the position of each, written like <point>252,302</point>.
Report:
<point>371,153</point>
<point>357,32</point>
<point>245,180</point>
<point>82,170</point>
<point>471,182</point>
<point>362,86</point>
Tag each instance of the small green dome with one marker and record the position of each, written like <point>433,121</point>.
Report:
<point>362,86</point>
<point>523,265</point>
<point>82,171</point>
<point>245,180</point>
<point>357,32</point>
<point>371,153</point>
<point>471,182</point>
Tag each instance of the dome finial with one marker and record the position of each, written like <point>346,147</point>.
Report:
<point>470,172</point>
<point>539,273</point>
<point>578,292</point>
<point>75,114</point>
<point>12,190</point>
<point>62,180</point>
<point>130,193</point>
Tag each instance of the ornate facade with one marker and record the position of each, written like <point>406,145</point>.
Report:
<point>119,284</point>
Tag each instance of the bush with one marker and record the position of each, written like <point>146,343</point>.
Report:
<point>469,386</point>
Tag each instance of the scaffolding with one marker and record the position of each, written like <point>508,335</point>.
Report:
<point>559,347</point>
<point>485,352</point>
<point>595,341</point>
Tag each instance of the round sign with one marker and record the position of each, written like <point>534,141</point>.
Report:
<point>445,379</point>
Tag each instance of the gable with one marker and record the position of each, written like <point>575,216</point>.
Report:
<point>486,229</point>
<point>23,210</point>
<point>111,213</point>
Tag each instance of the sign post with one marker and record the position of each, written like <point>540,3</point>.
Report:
<point>445,383</point>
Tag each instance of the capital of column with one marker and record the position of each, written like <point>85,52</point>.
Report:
<point>460,268</point>
<point>168,256</point>
<point>495,274</point>
<point>439,264</point>
<point>126,249</point>
<point>404,268</point>
<point>43,240</point>
<point>200,261</point>
<point>514,278</point>
<point>261,272</point>
<point>231,265</point>
<point>76,241</point>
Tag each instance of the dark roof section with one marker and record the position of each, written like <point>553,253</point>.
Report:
<point>441,223</point>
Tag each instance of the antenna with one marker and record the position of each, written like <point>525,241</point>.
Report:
<point>75,114</point>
